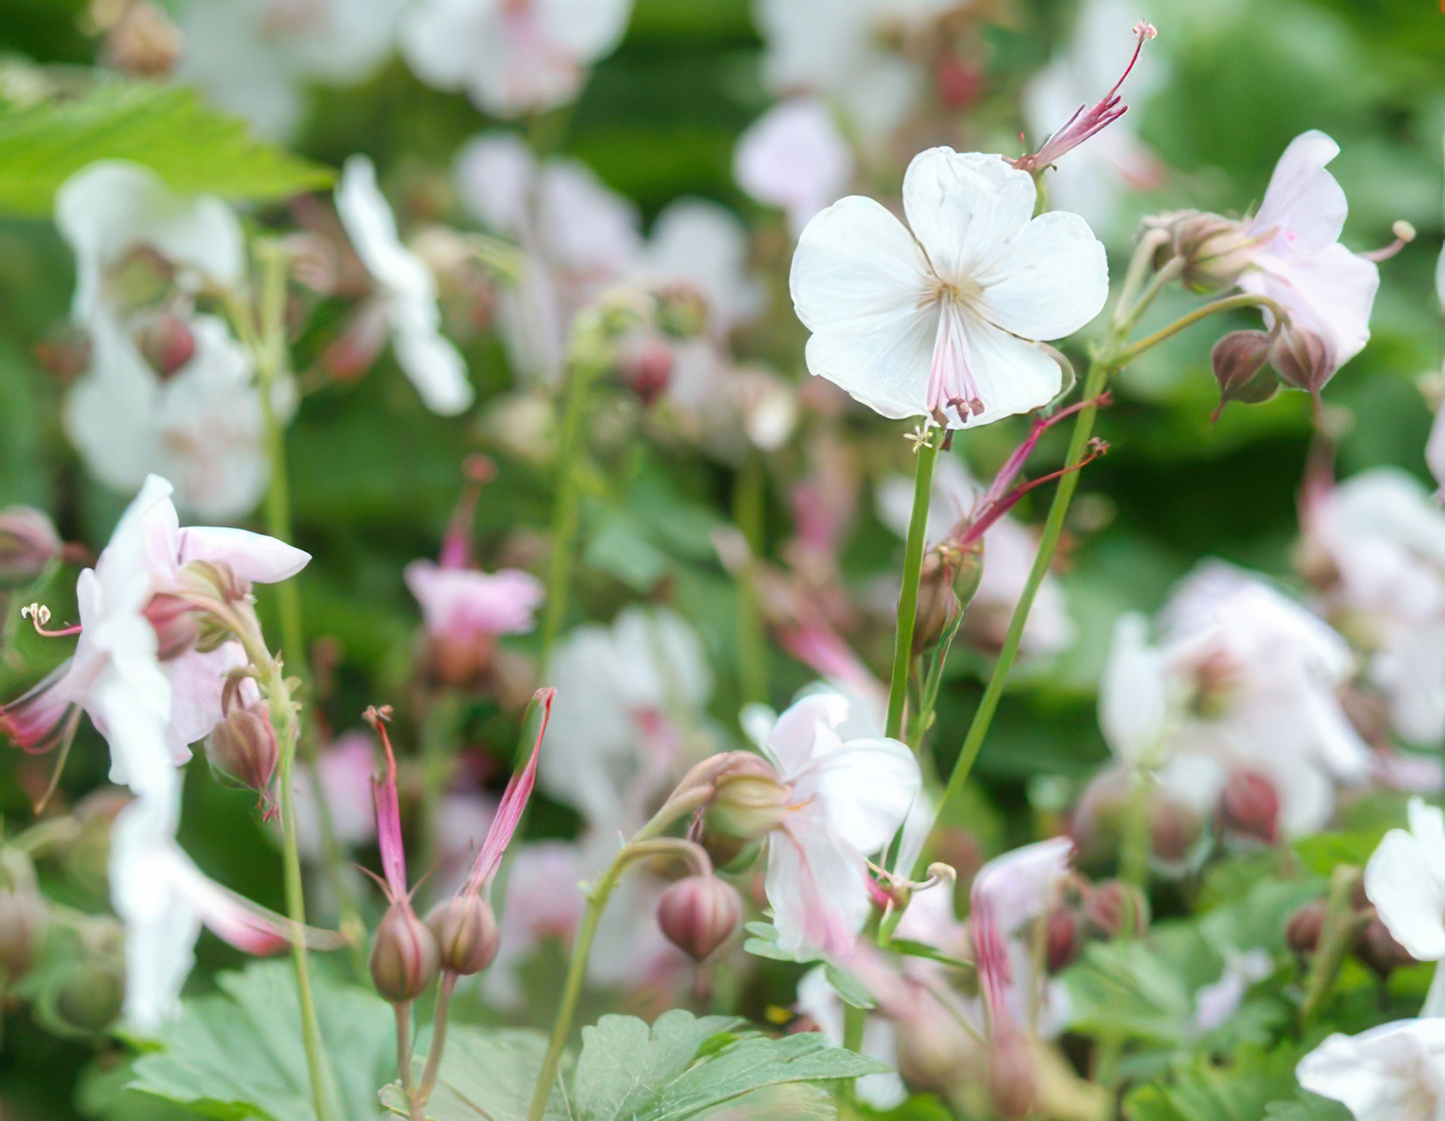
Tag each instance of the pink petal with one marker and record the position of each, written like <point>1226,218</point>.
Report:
<point>514,802</point>
<point>251,556</point>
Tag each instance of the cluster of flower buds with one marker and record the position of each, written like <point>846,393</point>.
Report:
<point>1086,912</point>
<point>1370,939</point>
<point>946,585</point>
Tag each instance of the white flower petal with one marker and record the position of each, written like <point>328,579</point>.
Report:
<point>866,788</point>
<point>1303,200</point>
<point>965,207</point>
<point>1406,891</point>
<point>1055,279</point>
<point>1013,375</point>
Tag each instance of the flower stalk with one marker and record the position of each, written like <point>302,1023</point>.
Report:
<point>927,456</point>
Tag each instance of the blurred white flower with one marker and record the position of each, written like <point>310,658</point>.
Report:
<point>1395,1072</point>
<point>255,57</point>
<point>1134,694</point>
<point>1405,880</point>
<point>1216,1004</point>
<point>625,725</point>
<point>1376,544</point>
<point>793,157</point>
<point>939,322</point>
<point>406,292</point>
<point>511,56</point>
<point>1096,174</point>
<point>1296,259</point>
<point>1008,555</point>
<point>845,801</point>
<point>1435,448</point>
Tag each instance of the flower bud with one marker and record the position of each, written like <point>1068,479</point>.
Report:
<point>28,542</point>
<point>1238,359</point>
<point>1114,908</point>
<point>22,931</point>
<point>1249,806</point>
<point>645,363</point>
<point>1378,949</point>
<point>1215,250</point>
<point>243,747</point>
<point>176,622</point>
<point>466,932</point>
<point>405,957</point>
<point>682,311</point>
<point>89,998</point>
<point>938,606</point>
<point>166,342</point>
<point>698,914</point>
<point>1012,1075</point>
<point>142,42</point>
<point>1062,939</point>
<point>214,579</point>
<point>748,801</point>
<point>1301,358</point>
<point>1305,926</point>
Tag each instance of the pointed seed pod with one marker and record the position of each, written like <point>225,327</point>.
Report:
<point>466,933</point>
<point>405,957</point>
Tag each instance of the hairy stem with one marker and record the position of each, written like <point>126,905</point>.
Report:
<point>908,595</point>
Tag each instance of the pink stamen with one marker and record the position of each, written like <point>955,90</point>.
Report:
<point>456,545</point>
<point>950,384</point>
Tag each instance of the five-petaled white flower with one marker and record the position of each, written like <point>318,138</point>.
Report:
<point>406,291</point>
<point>941,323</point>
<point>1395,1072</point>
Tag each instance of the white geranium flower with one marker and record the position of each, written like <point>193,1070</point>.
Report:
<point>940,322</point>
<point>845,801</point>
<point>406,291</point>
<point>254,57</point>
<point>794,157</point>
<point>511,56</point>
<point>1405,880</point>
<point>1395,1072</point>
<point>1134,694</point>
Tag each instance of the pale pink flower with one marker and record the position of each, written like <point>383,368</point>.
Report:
<point>793,157</point>
<point>846,800</point>
<point>1297,259</point>
<point>939,323</point>
<point>1395,1072</point>
<point>511,56</point>
<point>464,603</point>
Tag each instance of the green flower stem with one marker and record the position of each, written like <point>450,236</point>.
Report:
<point>1123,357</point>
<point>749,510</point>
<point>403,1011</point>
<point>1341,926</point>
<point>438,1042</point>
<point>1135,842</point>
<point>908,595</point>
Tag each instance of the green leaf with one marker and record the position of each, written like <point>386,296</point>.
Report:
<point>682,1066</point>
<point>196,150</point>
<point>486,1075</point>
<point>238,1053</point>
<point>1205,1090</point>
<point>1307,1107</point>
<point>923,950</point>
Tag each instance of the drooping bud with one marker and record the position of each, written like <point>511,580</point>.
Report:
<point>28,542</point>
<point>1249,806</point>
<point>176,622</point>
<point>243,747</point>
<point>1378,949</point>
<point>466,933</point>
<point>166,342</point>
<point>1215,250</point>
<point>1114,908</point>
<point>1305,926</point>
<point>22,932</point>
<point>405,957</point>
<point>1301,358</point>
<point>1062,941</point>
<point>1238,359</point>
<point>90,997</point>
<point>698,914</point>
<point>748,802</point>
<point>645,364</point>
<point>938,606</point>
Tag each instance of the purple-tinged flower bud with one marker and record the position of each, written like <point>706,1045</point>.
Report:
<point>405,957</point>
<point>1302,931</point>
<point>166,342</point>
<point>64,351</point>
<point>1114,908</point>
<point>243,747</point>
<point>698,914</point>
<point>28,542</point>
<point>938,604</point>
<point>1238,359</point>
<point>1301,358</point>
<point>22,932</point>
<point>1378,949</point>
<point>1249,806</point>
<point>645,363</point>
<point>1215,250</point>
<point>466,932</point>
<point>176,623</point>
<point>1062,939</point>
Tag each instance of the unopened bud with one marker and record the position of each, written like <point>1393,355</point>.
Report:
<point>1114,908</point>
<point>176,623</point>
<point>89,998</point>
<point>22,931</point>
<point>1301,358</point>
<point>405,957</point>
<point>1062,941</point>
<point>166,342</point>
<point>698,914</point>
<point>1238,359</point>
<point>1215,250</point>
<point>644,363</point>
<point>215,579</point>
<point>1304,928</point>
<point>143,42</point>
<point>1378,949</point>
<point>1174,830</point>
<point>243,747</point>
<point>682,311</point>
<point>466,933</point>
<point>1249,806</point>
<point>748,802</point>
<point>28,542</point>
<point>938,606</point>
<point>1012,1075</point>
<point>958,83</point>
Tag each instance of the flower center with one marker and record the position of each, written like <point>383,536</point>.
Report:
<point>951,384</point>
